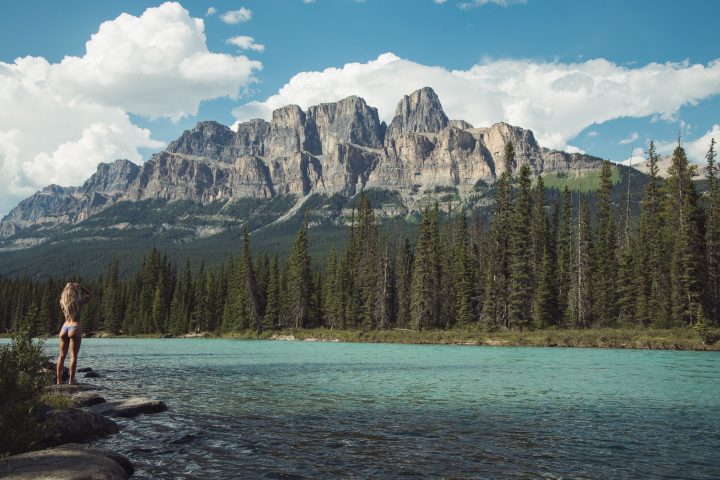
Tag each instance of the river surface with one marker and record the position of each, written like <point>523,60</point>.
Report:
<point>285,410</point>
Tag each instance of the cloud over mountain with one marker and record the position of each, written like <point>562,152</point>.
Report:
<point>556,100</point>
<point>68,116</point>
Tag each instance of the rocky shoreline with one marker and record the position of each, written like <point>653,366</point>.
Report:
<point>65,453</point>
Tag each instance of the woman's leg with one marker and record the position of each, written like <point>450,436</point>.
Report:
<point>75,340</point>
<point>61,358</point>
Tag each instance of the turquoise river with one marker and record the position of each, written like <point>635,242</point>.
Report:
<point>282,410</point>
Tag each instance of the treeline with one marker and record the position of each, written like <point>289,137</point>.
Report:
<point>532,265</point>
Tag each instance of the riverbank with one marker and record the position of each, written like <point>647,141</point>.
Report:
<point>71,416</point>
<point>653,339</point>
<point>635,338</point>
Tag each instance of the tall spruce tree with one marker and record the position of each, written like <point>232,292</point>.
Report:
<point>300,281</point>
<point>564,244</point>
<point>495,303</point>
<point>652,272</point>
<point>462,272</point>
<point>712,237</point>
<point>605,264</point>
<point>404,283</point>
<point>684,222</point>
<point>580,301</point>
<point>271,319</point>
<point>424,289</point>
<point>520,282</point>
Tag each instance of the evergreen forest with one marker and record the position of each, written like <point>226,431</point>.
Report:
<point>531,265</point>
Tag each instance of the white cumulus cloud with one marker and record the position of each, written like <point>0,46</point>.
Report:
<point>236,16</point>
<point>211,11</point>
<point>556,100</point>
<point>68,116</point>
<point>244,42</point>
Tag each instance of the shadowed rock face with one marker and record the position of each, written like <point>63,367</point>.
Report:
<point>338,147</point>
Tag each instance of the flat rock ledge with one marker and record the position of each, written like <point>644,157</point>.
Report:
<point>130,407</point>
<point>68,462</point>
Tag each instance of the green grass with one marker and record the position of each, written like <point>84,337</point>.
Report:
<point>582,180</point>
<point>656,339</point>
<point>57,401</point>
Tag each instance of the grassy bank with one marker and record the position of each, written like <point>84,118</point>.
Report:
<point>656,339</point>
<point>646,338</point>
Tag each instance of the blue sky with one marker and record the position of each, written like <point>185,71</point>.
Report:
<point>597,76</point>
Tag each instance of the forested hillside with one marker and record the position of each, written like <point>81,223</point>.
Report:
<point>532,263</point>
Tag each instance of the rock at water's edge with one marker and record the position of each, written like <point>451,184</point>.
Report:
<point>87,399</point>
<point>76,425</point>
<point>67,462</point>
<point>129,408</point>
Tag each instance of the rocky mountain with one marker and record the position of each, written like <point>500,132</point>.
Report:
<point>332,148</point>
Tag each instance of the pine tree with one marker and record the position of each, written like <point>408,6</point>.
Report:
<point>651,271</point>
<point>385,295</point>
<point>495,304</point>
<point>605,264</point>
<point>271,318</point>
<point>627,254</point>
<point>712,237</point>
<point>520,281</point>
<point>462,273</point>
<point>300,287</point>
<point>111,304</point>
<point>564,246</point>
<point>540,228</point>
<point>684,224</point>
<point>404,283</point>
<point>424,289</point>
<point>545,308</point>
<point>580,301</point>
<point>249,292</point>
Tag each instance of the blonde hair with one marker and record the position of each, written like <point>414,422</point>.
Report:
<point>70,302</point>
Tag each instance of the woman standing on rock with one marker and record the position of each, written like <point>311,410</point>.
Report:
<point>73,297</point>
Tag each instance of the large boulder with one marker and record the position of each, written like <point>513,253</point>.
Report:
<point>76,425</point>
<point>67,462</point>
<point>129,408</point>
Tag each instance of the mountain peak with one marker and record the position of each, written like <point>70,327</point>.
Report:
<point>419,112</point>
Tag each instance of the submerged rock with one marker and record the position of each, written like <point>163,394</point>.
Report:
<point>84,369</point>
<point>92,374</point>
<point>67,462</point>
<point>129,408</point>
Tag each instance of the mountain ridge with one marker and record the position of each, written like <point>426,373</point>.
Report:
<point>332,148</point>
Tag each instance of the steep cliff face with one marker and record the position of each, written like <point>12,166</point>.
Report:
<point>339,147</point>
